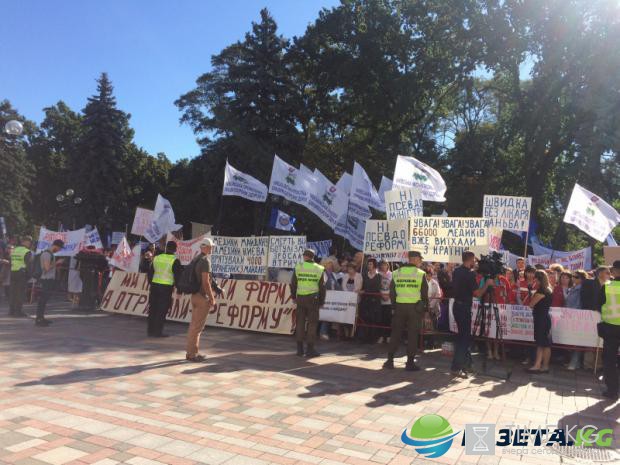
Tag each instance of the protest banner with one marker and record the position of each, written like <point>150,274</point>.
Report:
<point>285,251</point>
<point>441,239</point>
<point>569,326</point>
<point>141,220</point>
<point>186,250</point>
<point>163,220</point>
<point>250,305</point>
<point>363,192</point>
<point>339,307</point>
<point>74,241</point>
<point>575,260</point>
<point>404,203</point>
<point>507,212</point>
<point>320,247</point>
<point>611,254</point>
<point>124,257</point>
<point>92,238</point>
<point>117,237</point>
<point>387,240</point>
<point>240,255</point>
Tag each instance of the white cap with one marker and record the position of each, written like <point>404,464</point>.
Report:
<point>206,242</point>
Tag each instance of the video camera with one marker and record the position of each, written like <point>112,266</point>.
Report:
<point>491,266</point>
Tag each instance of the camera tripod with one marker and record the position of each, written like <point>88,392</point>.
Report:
<point>487,305</point>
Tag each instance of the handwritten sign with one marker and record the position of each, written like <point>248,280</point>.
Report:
<point>286,251</point>
<point>240,255</point>
<point>403,204</point>
<point>250,305</point>
<point>142,220</point>
<point>340,307</point>
<point>507,212</point>
<point>387,240</point>
<point>441,239</point>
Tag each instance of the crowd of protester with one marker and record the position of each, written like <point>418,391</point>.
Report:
<point>371,280</point>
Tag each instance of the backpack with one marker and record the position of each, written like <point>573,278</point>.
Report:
<point>36,270</point>
<point>188,282</point>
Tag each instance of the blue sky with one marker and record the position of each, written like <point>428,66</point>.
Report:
<point>152,50</point>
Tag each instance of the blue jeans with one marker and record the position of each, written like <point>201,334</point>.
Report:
<point>462,353</point>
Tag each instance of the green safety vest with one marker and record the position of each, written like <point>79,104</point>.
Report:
<point>610,311</point>
<point>18,258</point>
<point>308,275</point>
<point>162,266</point>
<point>408,284</point>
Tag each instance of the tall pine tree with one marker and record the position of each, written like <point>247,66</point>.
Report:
<point>101,164</point>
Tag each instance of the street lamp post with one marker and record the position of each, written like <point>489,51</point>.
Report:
<point>68,201</point>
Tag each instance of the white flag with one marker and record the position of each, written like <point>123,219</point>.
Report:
<point>304,169</point>
<point>363,193</point>
<point>591,214</point>
<point>243,185</point>
<point>163,220</point>
<point>124,257</point>
<point>344,182</point>
<point>386,185</point>
<point>326,201</point>
<point>289,182</point>
<point>412,173</point>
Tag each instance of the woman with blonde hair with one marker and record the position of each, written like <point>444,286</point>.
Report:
<point>540,304</point>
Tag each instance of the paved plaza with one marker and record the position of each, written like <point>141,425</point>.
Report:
<point>93,389</point>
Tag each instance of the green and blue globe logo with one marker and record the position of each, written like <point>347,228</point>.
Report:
<point>431,435</point>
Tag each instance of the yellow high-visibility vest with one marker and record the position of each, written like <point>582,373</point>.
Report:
<point>308,275</point>
<point>162,266</point>
<point>610,311</point>
<point>18,258</point>
<point>408,284</point>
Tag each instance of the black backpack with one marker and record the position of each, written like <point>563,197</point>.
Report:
<point>188,282</point>
<point>35,269</point>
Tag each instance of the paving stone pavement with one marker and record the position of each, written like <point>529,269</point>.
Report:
<point>92,389</point>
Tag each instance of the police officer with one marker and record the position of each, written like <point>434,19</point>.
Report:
<point>609,330</point>
<point>308,290</point>
<point>410,292</point>
<point>21,262</point>
<point>163,274</point>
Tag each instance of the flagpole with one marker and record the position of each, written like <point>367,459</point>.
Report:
<point>219,215</point>
<point>264,216</point>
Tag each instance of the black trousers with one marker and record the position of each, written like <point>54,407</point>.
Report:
<point>611,342</point>
<point>18,291</point>
<point>160,300</point>
<point>89,290</point>
<point>462,352</point>
<point>47,287</point>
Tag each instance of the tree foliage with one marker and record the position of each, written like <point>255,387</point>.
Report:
<point>516,97</point>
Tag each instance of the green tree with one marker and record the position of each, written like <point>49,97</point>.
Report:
<point>101,165</point>
<point>15,172</point>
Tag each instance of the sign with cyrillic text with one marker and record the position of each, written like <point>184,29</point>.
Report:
<point>386,240</point>
<point>444,239</point>
<point>251,305</point>
<point>403,204</point>
<point>507,212</point>
<point>285,251</point>
<point>240,255</point>
<point>339,307</point>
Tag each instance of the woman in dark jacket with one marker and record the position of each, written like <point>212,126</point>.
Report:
<point>540,304</point>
